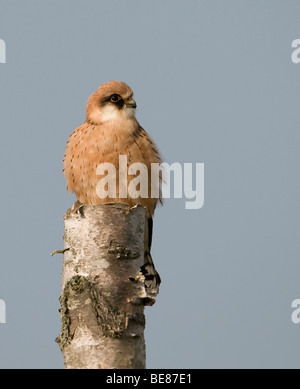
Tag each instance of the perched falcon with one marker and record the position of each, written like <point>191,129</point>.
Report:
<point>110,130</point>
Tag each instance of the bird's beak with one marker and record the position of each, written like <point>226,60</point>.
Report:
<point>131,103</point>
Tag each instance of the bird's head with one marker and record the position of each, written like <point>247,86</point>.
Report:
<point>112,100</point>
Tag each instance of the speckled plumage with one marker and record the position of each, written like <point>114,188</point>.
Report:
<point>110,130</point>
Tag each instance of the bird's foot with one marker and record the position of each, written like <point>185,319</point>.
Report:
<point>77,208</point>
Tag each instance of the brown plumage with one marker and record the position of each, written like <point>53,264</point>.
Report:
<point>110,130</point>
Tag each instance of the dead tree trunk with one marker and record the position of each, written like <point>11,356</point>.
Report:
<point>103,293</point>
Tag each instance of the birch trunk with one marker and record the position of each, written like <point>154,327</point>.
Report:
<point>103,293</point>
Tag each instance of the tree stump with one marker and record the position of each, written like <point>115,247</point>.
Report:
<point>103,292</point>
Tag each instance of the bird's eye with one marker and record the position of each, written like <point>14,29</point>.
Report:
<point>115,98</point>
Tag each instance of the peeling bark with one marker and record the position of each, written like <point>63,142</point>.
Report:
<point>103,291</point>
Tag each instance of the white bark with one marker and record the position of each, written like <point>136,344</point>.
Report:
<point>103,293</point>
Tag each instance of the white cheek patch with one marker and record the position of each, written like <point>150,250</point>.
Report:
<point>129,112</point>
<point>109,112</point>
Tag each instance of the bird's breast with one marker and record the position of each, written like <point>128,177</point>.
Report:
<point>92,145</point>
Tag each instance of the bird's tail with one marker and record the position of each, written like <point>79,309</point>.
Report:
<point>152,279</point>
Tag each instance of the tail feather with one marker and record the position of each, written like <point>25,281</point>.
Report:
<point>152,278</point>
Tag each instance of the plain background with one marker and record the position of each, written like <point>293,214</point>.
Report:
<point>215,84</point>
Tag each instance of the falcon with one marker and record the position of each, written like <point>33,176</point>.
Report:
<point>110,130</point>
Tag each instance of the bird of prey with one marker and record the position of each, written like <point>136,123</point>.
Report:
<point>110,130</point>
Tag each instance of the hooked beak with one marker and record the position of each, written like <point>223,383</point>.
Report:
<point>131,103</point>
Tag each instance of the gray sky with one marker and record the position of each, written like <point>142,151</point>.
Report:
<point>215,84</point>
